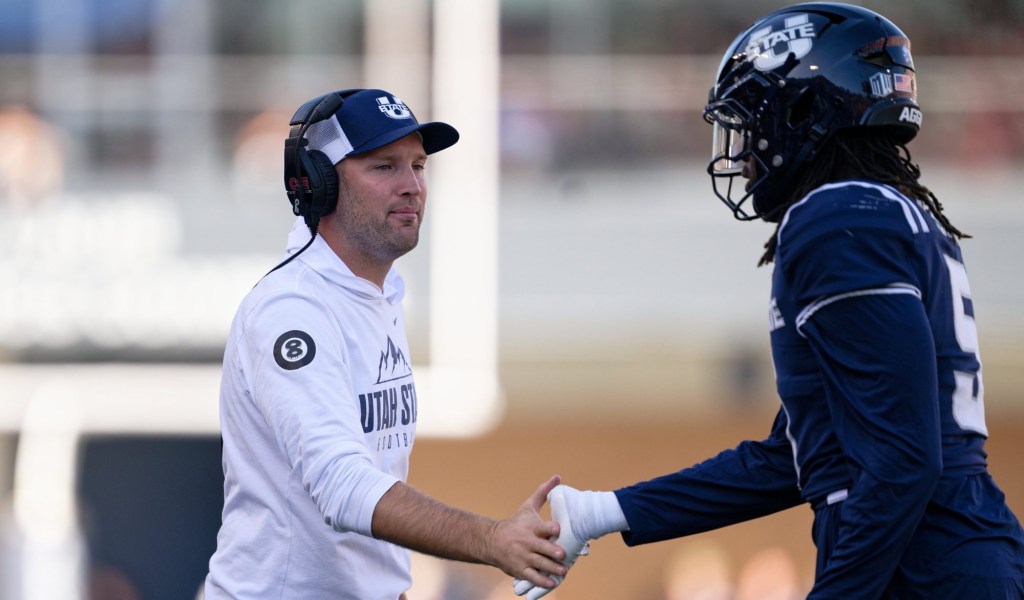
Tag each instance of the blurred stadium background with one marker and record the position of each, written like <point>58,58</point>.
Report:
<point>581,304</point>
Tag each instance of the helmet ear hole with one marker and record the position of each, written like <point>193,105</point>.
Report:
<point>800,109</point>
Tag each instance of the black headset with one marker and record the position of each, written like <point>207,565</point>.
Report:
<point>309,176</point>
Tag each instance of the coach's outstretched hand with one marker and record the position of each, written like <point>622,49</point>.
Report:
<point>574,546</point>
<point>523,545</point>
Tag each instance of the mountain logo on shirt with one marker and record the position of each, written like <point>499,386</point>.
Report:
<point>392,364</point>
<point>294,349</point>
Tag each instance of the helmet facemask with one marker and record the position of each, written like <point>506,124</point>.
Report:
<point>735,127</point>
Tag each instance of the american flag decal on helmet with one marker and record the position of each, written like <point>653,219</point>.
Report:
<point>903,82</point>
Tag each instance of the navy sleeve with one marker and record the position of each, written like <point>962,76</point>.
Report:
<point>750,481</point>
<point>877,357</point>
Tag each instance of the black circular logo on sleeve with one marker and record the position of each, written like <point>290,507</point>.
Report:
<point>294,349</point>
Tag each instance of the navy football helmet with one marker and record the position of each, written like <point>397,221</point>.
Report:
<point>793,79</point>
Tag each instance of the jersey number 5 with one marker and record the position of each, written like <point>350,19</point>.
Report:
<point>968,398</point>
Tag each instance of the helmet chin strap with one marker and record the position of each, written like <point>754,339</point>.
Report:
<point>773,193</point>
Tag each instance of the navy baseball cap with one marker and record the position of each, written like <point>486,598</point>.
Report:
<point>369,119</point>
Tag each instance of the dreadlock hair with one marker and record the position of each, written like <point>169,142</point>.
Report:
<point>860,153</point>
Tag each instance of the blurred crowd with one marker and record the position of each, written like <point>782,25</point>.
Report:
<point>583,83</point>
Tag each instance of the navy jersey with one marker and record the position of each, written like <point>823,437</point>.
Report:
<point>876,358</point>
<point>870,300</point>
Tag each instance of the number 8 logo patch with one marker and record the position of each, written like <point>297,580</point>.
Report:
<point>294,349</point>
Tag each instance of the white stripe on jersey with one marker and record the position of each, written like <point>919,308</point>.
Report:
<point>911,210</point>
<point>792,443</point>
<point>813,307</point>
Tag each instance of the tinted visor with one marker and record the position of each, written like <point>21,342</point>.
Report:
<point>729,139</point>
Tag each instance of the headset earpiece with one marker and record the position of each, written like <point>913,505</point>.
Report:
<point>323,183</point>
<point>309,176</point>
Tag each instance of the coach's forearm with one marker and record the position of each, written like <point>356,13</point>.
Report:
<point>416,521</point>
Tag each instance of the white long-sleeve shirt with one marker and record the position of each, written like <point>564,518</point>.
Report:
<point>318,415</point>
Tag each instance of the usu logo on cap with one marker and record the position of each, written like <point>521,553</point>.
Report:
<point>395,110</point>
